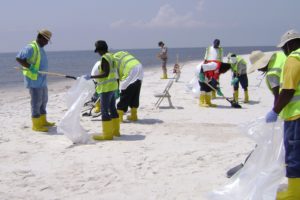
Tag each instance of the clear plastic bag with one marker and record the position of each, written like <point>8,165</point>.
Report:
<point>70,126</point>
<point>261,175</point>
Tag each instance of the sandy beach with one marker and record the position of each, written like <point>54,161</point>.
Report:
<point>170,153</point>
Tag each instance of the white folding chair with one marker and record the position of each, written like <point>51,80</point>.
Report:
<point>164,94</point>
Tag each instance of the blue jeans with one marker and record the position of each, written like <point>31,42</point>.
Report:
<point>108,106</point>
<point>39,100</point>
<point>292,148</point>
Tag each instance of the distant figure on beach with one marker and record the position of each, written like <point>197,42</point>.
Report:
<point>214,53</point>
<point>107,84</point>
<point>33,59</point>
<point>163,55</point>
<point>272,65</point>
<point>288,106</point>
<point>239,76</point>
<point>130,75</point>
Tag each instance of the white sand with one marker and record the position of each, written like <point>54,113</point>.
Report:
<point>179,153</point>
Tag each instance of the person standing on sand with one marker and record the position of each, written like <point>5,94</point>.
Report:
<point>107,84</point>
<point>288,106</point>
<point>163,55</point>
<point>33,58</point>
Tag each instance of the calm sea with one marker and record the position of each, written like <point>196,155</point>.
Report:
<point>77,63</point>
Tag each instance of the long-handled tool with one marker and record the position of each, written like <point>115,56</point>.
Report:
<point>234,104</point>
<point>49,73</point>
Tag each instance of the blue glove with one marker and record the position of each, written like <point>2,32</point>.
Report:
<point>201,77</point>
<point>87,77</point>
<point>271,116</point>
<point>32,69</point>
<point>219,92</point>
<point>234,80</point>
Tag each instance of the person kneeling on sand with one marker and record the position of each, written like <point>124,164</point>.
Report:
<point>208,77</point>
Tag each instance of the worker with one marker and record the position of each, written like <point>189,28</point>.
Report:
<point>106,86</point>
<point>214,53</point>
<point>272,65</point>
<point>163,55</point>
<point>239,76</point>
<point>130,75</point>
<point>208,76</point>
<point>288,106</point>
<point>33,58</point>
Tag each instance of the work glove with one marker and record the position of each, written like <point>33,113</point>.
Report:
<point>219,92</point>
<point>271,116</point>
<point>234,80</point>
<point>117,94</point>
<point>87,77</point>
<point>201,77</point>
<point>32,69</point>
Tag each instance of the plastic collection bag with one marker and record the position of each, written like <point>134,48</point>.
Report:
<point>76,96</point>
<point>193,85</point>
<point>261,175</point>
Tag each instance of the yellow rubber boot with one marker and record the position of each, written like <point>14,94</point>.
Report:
<point>107,128</point>
<point>133,115</point>
<point>292,192</point>
<point>202,101</point>
<point>246,100</point>
<point>213,94</point>
<point>37,126</point>
<point>164,76</point>
<point>208,101</point>
<point>121,113</point>
<point>236,95</point>
<point>116,127</point>
<point>97,108</point>
<point>44,121</point>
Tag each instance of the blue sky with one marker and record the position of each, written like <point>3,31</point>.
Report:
<point>130,24</point>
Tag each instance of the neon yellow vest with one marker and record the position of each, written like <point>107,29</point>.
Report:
<point>125,62</point>
<point>34,60</point>
<point>219,56</point>
<point>292,109</point>
<point>108,83</point>
<point>234,66</point>
<point>275,66</point>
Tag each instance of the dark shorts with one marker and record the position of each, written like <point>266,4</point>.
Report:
<point>205,88</point>
<point>243,80</point>
<point>292,148</point>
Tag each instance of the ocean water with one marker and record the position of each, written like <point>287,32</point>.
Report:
<point>76,63</point>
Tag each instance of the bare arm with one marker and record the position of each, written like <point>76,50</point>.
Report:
<point>284,98</point>
<point>105,69</point>
<point>22,62</point>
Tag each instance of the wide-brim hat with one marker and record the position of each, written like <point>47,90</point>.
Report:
<point>258,60</point>
<point>45,33</point>
<point>288,36</point>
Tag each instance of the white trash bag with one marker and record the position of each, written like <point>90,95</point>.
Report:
<point>261,175</point>
<point>193,85</point>
<point>77,95</point>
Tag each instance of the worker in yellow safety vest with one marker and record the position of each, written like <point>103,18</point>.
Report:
<point>33,59</point>
<point>288,106</point>
<point>107,84</point>
<point>130,75</point>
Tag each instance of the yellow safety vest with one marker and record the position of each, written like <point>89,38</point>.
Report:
<point>108,83</point>
<point>34,60</point>
<point>234,66</point>
<point>219,56</point>
<point>292,109</point>
<point>125,62</point>
<point>275,67</point>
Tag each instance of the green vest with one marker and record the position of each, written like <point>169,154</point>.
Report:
<point>293,107</point>
<point>124,62</point>
<point>34,60</point>
<point>275,66</point>
<point>219,56</point>
<point>108,83</point>
<point>239,61</point>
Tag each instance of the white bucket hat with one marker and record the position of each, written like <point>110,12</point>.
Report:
<point>289,35</point>
<point>258,60</point>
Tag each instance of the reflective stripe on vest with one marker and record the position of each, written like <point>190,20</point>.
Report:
<point>108,83</point>
<point>275,66</point>
<point>293,107</point>
<point>234,66</point>
<point>34,60</point>
<point>219,53</point>
<point>125,62</point>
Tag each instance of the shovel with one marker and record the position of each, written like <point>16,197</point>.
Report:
<point>48,73</point>
<point>233,103</point>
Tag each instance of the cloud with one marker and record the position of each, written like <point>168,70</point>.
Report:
<point>166,17</point>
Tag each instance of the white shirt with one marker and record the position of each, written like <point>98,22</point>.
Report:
<point>135,74</point>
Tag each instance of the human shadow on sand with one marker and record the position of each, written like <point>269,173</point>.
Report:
<point>171,107</point>
<point>149,121</point>
<point>125,137</point>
